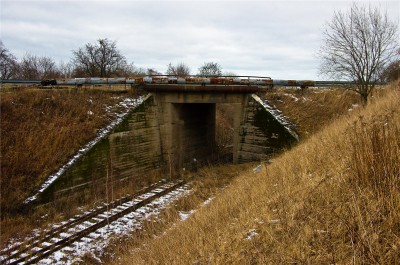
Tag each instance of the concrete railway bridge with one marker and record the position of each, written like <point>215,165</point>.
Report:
<point>184,120</point>
<point>173,126</point>
<point>176,123</point>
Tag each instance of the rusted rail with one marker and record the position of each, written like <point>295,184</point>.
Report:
<point>37,248</point>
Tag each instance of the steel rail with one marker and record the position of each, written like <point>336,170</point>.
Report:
<point>27,255</point>
<point>77,219</point>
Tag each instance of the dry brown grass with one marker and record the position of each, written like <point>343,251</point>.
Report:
<point>40,131</point>
<point>298,195</point>
<point>312,110</point>
<point>224,131</point>
<point>204,185</point>
<point>332,199</point>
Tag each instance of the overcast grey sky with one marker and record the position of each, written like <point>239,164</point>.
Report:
<point>268,38</point>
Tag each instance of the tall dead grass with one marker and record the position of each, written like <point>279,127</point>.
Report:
<point>224,131</point>
<point>314,108</point>
<point>332,199</point>
<point>40,131</point>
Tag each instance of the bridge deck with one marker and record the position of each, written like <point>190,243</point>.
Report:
<point>200,88</point>
<point>189,83</point>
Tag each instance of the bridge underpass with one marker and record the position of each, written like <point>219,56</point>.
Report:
<point>179,124</point>
<point>186,116</point>
<point>192,133</point>
<point>175,124</point>
<point>188,125</point>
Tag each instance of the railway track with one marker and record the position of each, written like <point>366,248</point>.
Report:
<point>68,232</point>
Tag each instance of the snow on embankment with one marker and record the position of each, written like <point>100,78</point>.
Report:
<point>278,116</point>
<point>127,105</point>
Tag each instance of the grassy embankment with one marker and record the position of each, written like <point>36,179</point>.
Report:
<point>48,126</point>
<point>334,198</point>
<point>40,131</point>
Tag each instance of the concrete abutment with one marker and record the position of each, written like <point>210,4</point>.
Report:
<point>169,131</point>
<point>187,126</point>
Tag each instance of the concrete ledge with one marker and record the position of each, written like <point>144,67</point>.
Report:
<point>201,88</point>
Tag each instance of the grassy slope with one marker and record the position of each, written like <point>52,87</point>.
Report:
<point>332,199</point>
<point>315,108</point>
<point>40,131</point>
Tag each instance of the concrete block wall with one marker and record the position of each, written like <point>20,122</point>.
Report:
<point>168,131</point>
<point>136,147</point>
<point>260,134</point>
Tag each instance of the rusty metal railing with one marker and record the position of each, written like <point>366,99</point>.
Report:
<point>188,80</point>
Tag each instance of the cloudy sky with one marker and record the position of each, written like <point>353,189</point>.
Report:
<point>279,39</point>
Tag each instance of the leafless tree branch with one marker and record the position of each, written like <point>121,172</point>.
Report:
<point>358,46</point>
<point>101,59</point>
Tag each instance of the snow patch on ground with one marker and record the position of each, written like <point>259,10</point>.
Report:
<point>251,234</point>
<point>292,96</point>
<point>257,169</point>
<point>128,105</point>
<point>353,106</point>
<point>208,201</point>
<point>185,215</point>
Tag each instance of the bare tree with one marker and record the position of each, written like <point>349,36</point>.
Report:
<point>47,68</point>
<point>391,72</point>
<point>101,59</point>
<point>66,69</point>
<point>210,69</point>
<point>34,67</point>
<point>151,71</point>
<point>357,46</point>
<point>180,69</point>
<point>8,63</point>
<point>127,70</point>
<point>229,74</point>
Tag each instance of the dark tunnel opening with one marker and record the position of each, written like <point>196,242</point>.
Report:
<point>194,133</point>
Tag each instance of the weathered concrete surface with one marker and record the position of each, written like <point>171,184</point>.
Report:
<point>187,125</point>
<point>131,150</point>
<point>260,132</point>
<point>136,146</point>
<point>170,131</point>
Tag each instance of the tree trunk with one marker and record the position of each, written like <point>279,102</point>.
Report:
<point>364,98</point>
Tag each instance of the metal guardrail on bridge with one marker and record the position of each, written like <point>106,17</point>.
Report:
<point>188,80</point>
<point>159,79</point>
